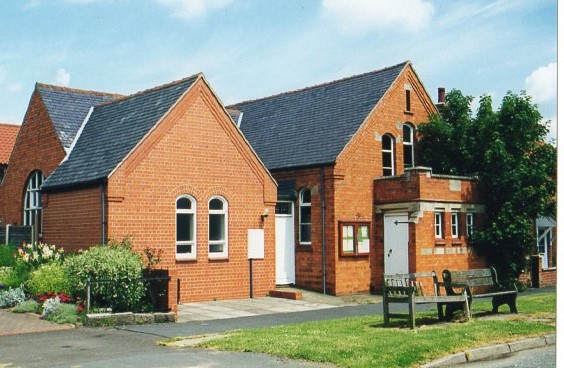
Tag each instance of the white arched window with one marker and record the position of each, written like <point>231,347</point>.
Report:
<point>388,167</point>
<point>32,200</point>
<point>185,227</point>
<point>217,227</point>
<point>408,151</point>
<point>305,216</point>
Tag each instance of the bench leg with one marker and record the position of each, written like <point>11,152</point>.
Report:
<point>440,312</point>
<point>386,313</point>
<point>510,300</point>
<point>411,313</point>
<point>467,311</point>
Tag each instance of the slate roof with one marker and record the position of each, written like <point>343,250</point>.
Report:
<point>112,131</point>
<point>8,134</point>
<point>68,107</point>
<point>311,126</point>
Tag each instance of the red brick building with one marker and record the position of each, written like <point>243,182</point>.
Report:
<point>166,167</point>
<point>351,202</point>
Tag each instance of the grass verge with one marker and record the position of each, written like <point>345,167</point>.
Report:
<point>365,342</point>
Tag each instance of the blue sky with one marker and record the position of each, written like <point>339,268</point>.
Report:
<point>249,49</point>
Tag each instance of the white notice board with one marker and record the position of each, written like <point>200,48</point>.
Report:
<point>255,239</point>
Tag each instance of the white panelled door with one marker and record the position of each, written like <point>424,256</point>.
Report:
<point>396,240</point>
<point>285,248</point>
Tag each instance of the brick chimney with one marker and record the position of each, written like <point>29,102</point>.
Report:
<point>441,96</point>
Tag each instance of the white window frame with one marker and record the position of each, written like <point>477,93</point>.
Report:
<point>438,225</point>
<point>301,205</point>
<point>32,199</point>
<point>409,142</point>
<point>392,154</point>
<point>469,224</point>
<point>454,225</point>
<point>225,211</point>
<point>192,211</point>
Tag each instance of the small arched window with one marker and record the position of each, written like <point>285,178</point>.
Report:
<point>186,227</point>
<point>217,227</point>
<point>305,216</point>
<point>32,201</point>
<point>388,167</point>
<point>408,147</point>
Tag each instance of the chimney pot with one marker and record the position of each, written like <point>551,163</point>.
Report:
<point>442,98</point>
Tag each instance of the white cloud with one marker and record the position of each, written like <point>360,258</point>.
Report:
<point>62,78</point>
<point>191,9</point>
<point>369,15</point>
<point>541,84</point>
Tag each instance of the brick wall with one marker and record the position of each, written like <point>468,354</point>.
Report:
<point>73,219</point>
<point>37,147</point>
<point>196,150</point>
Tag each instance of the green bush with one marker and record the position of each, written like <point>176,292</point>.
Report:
<point>27,306</point>
<point>115,271</point>
<point>48,277</point>
<point>7,255</point>
<point>16,275</point>
<point>64,313</point>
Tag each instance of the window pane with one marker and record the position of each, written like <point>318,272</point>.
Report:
<point>407,156</point>
<point>387,142</point>
<point>216,248</point>
<point>306,196</point>
<point>184,227</point>
<point>183,204</point>
<point>348,239</point>
<point>217,227</point>
<point>183,248</point>
<point>283,208</point>
<point>388,172</point>
<point>216,204</point>
<point>305,215</point>
<point>305,233</point>
<point>407,134</point>
<point>387,159</point>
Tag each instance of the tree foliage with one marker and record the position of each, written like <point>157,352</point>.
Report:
<point>517,170</point>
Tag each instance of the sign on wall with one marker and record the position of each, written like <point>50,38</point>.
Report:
<point>255,238</point>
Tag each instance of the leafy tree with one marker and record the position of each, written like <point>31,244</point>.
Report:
<point>517,170</point>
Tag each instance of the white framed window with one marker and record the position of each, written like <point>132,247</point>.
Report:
<point>408,151</point>
<point>388,167</point>
<point>186,227</point>
<point>217,227</point>
<point>32,201</point>
<point>305,216</point>
<point>438,225</point>
<point>454,224</point>
<point>469,225</point>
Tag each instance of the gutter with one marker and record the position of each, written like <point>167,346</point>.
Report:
<point>103,211</point>
<point>323,248</point>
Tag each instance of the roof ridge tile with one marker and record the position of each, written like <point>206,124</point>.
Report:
<point>54,87</point>
<point>319,85</point>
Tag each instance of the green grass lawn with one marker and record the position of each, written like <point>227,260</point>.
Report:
<point>365,342</point>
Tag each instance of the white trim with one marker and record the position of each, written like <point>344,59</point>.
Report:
<point>469,224</point>
<point>224,242</point>
<point>300,205</point>
<point>78,134</point>
<point>392,153</point>
<point>438,225</point>
<point>193,211</point>
<point>411,144</point>
<point>239,120</point>
<point>454,225</point>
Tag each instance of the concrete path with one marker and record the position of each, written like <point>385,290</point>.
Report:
<point>18,323</point>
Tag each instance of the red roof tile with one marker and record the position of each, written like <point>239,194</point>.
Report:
<point>8,134</point>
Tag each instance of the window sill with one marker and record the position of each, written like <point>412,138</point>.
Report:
<point>440,242</point>
<point>219,258</point>
<point>304,248</point>
<point>354,255</point>
<point>408,113</point>
<point>457,243</point>
<point>186,259</point>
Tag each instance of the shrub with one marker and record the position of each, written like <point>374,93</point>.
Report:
<point>15,276</point>
<point>7,255</point>
<point>115,271</point>
<point>11,297</point>
<point>50,305</point>
<point>37,254</point>
<point>48,278</point>
<point>27,306</point>
<point>64,313</point>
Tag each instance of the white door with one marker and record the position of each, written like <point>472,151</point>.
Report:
<point>396,239</point>
<point>285,251</point>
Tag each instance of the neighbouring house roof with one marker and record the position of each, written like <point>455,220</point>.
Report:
<point>112,131</point>
<point>8,134</point>
<point>311,126</point>
<point>68,107</point>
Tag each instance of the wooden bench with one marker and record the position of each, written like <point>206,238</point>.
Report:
<point>408,289</point>
<point>480,283</point>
